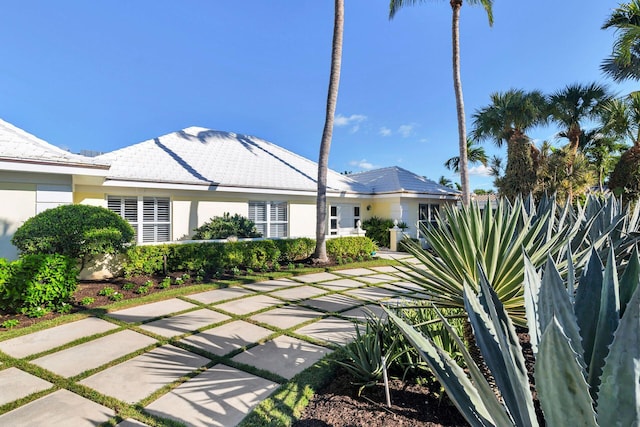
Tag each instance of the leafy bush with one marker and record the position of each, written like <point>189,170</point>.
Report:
<point>37,283</point>
<point>214,256</point>
<point>292,250</point>
<point>353,247</point>
<point>76,231</point>
<point>378,230</point>
<point>221,227</point>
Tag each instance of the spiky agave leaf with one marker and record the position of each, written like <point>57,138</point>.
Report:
<point>562,389</point>
<point>619,394</point>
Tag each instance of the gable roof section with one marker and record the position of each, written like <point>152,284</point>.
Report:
<point>199,156</point>
<point>34,154</point>
<point>395,179</point>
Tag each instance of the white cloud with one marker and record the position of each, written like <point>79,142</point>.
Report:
<point>480,170</point>
<point>353,119</point>
<point>406,130</point>
<point>362,164</point>
<point>385,131</point>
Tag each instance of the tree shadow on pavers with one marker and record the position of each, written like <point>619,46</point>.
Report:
<point>220,396</point>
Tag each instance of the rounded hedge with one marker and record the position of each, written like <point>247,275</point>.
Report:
<point>221,227</point>
<point>75,231</point>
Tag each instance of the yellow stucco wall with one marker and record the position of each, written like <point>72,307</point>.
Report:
<point>21,198</point>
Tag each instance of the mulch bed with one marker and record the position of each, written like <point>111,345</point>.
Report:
<point>412,404</point>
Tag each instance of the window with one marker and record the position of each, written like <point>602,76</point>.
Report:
<point>343,218</point>
<point>150,217</point>
<point>270,218</point>
<point>427,214</point>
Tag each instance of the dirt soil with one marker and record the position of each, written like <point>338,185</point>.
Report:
<point>412,404</point>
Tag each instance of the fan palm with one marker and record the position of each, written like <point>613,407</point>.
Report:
<point>320,254</point>
<point>506,120</point>
<point>568,108</point>
<point>456,5</point>
<point>624,62</point>
<point>475,154</point>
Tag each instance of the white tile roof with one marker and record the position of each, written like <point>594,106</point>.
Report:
<point>394,179</point>
<point>18,145</point>
<point>203,156</point>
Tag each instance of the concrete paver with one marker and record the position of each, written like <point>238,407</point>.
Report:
<point>340,284</point>
<point>371,293</point>
<point>16,384</point>
<point>386,269</point>
<point>221,396</point>
<point>286,317</point>
<point>316,277</point>
<point>47,339</point>
<point>285,356</point>
<point>228,337</point>
<point>218,295</point>
<point>362,314</point>
<point>94,353</point>
<point>331,329</point>
<point>378,278</point>
<point>270,285</point>
<point>183,323</point>
<point>131,423</point>
<point>58,409</point>
<point>301,292</point>
<point>137,378</point>
<point>144,312</point>
<point>332,303</point>
<point>248,305</point>
<point>356,272</point>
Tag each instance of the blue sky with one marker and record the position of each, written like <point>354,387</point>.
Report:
<point>101,75</point>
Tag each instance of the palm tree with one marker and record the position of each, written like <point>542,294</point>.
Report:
<point>506,120</point>
<point>624,62</point>
<point>622,118</point>
<point>320,253</point>
<point>445,182</point>
<point>475,154</point>
<point>456,5</point>
<point>571,106</point>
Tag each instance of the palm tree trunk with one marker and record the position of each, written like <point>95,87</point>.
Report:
<point>320,254</point>
<point>457,86</point>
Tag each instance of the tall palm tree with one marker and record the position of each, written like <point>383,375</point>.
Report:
<point>506,120</point>
<point>320,253</point>
<point>456,5</point>
<point>445,182</point>
<point>624,62</point>
<point>475,154</point>
<point>569,107</point>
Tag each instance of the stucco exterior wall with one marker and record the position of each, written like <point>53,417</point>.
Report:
<point>18,205</point>
<point>302,220</point>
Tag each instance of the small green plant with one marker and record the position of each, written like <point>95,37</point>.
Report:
<point>179,281</point>
<point>235,271</point>
<point>186,276</point>
<point>165,283</point>
<point>36,312</point>
<point>64,308</point>
<point>128,286</point>
<point>87,301</point>
<point>291,266</point>
<point>116,296</point>
<point>148,283</point>
<point>249,271</point>
<point>106,291</point>
<point>10,323</point>
<point>143,289</point>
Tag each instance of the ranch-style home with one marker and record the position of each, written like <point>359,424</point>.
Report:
<point>167,186</point>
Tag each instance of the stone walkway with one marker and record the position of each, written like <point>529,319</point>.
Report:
<point>204,359</point>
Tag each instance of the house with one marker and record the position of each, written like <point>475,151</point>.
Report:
<point>169,185</point>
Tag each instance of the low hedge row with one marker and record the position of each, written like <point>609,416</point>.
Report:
<point>224,256</point>
<point>36,284</point>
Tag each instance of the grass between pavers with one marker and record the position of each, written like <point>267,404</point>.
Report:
<point>286,404</point>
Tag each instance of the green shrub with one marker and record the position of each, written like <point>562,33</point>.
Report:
<point>87,301</point>
<point>353,247</point>
<point>76,231</point>
<point>10,323</point>
<point>261,254</point>
<point>106,291</point>
<point>37,283</point>
<point>221,227</point>
<point>292,250</point>
<point>378,230</point>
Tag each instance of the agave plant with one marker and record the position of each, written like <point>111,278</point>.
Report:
<point>587,350</point>
<point>466,237</point>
